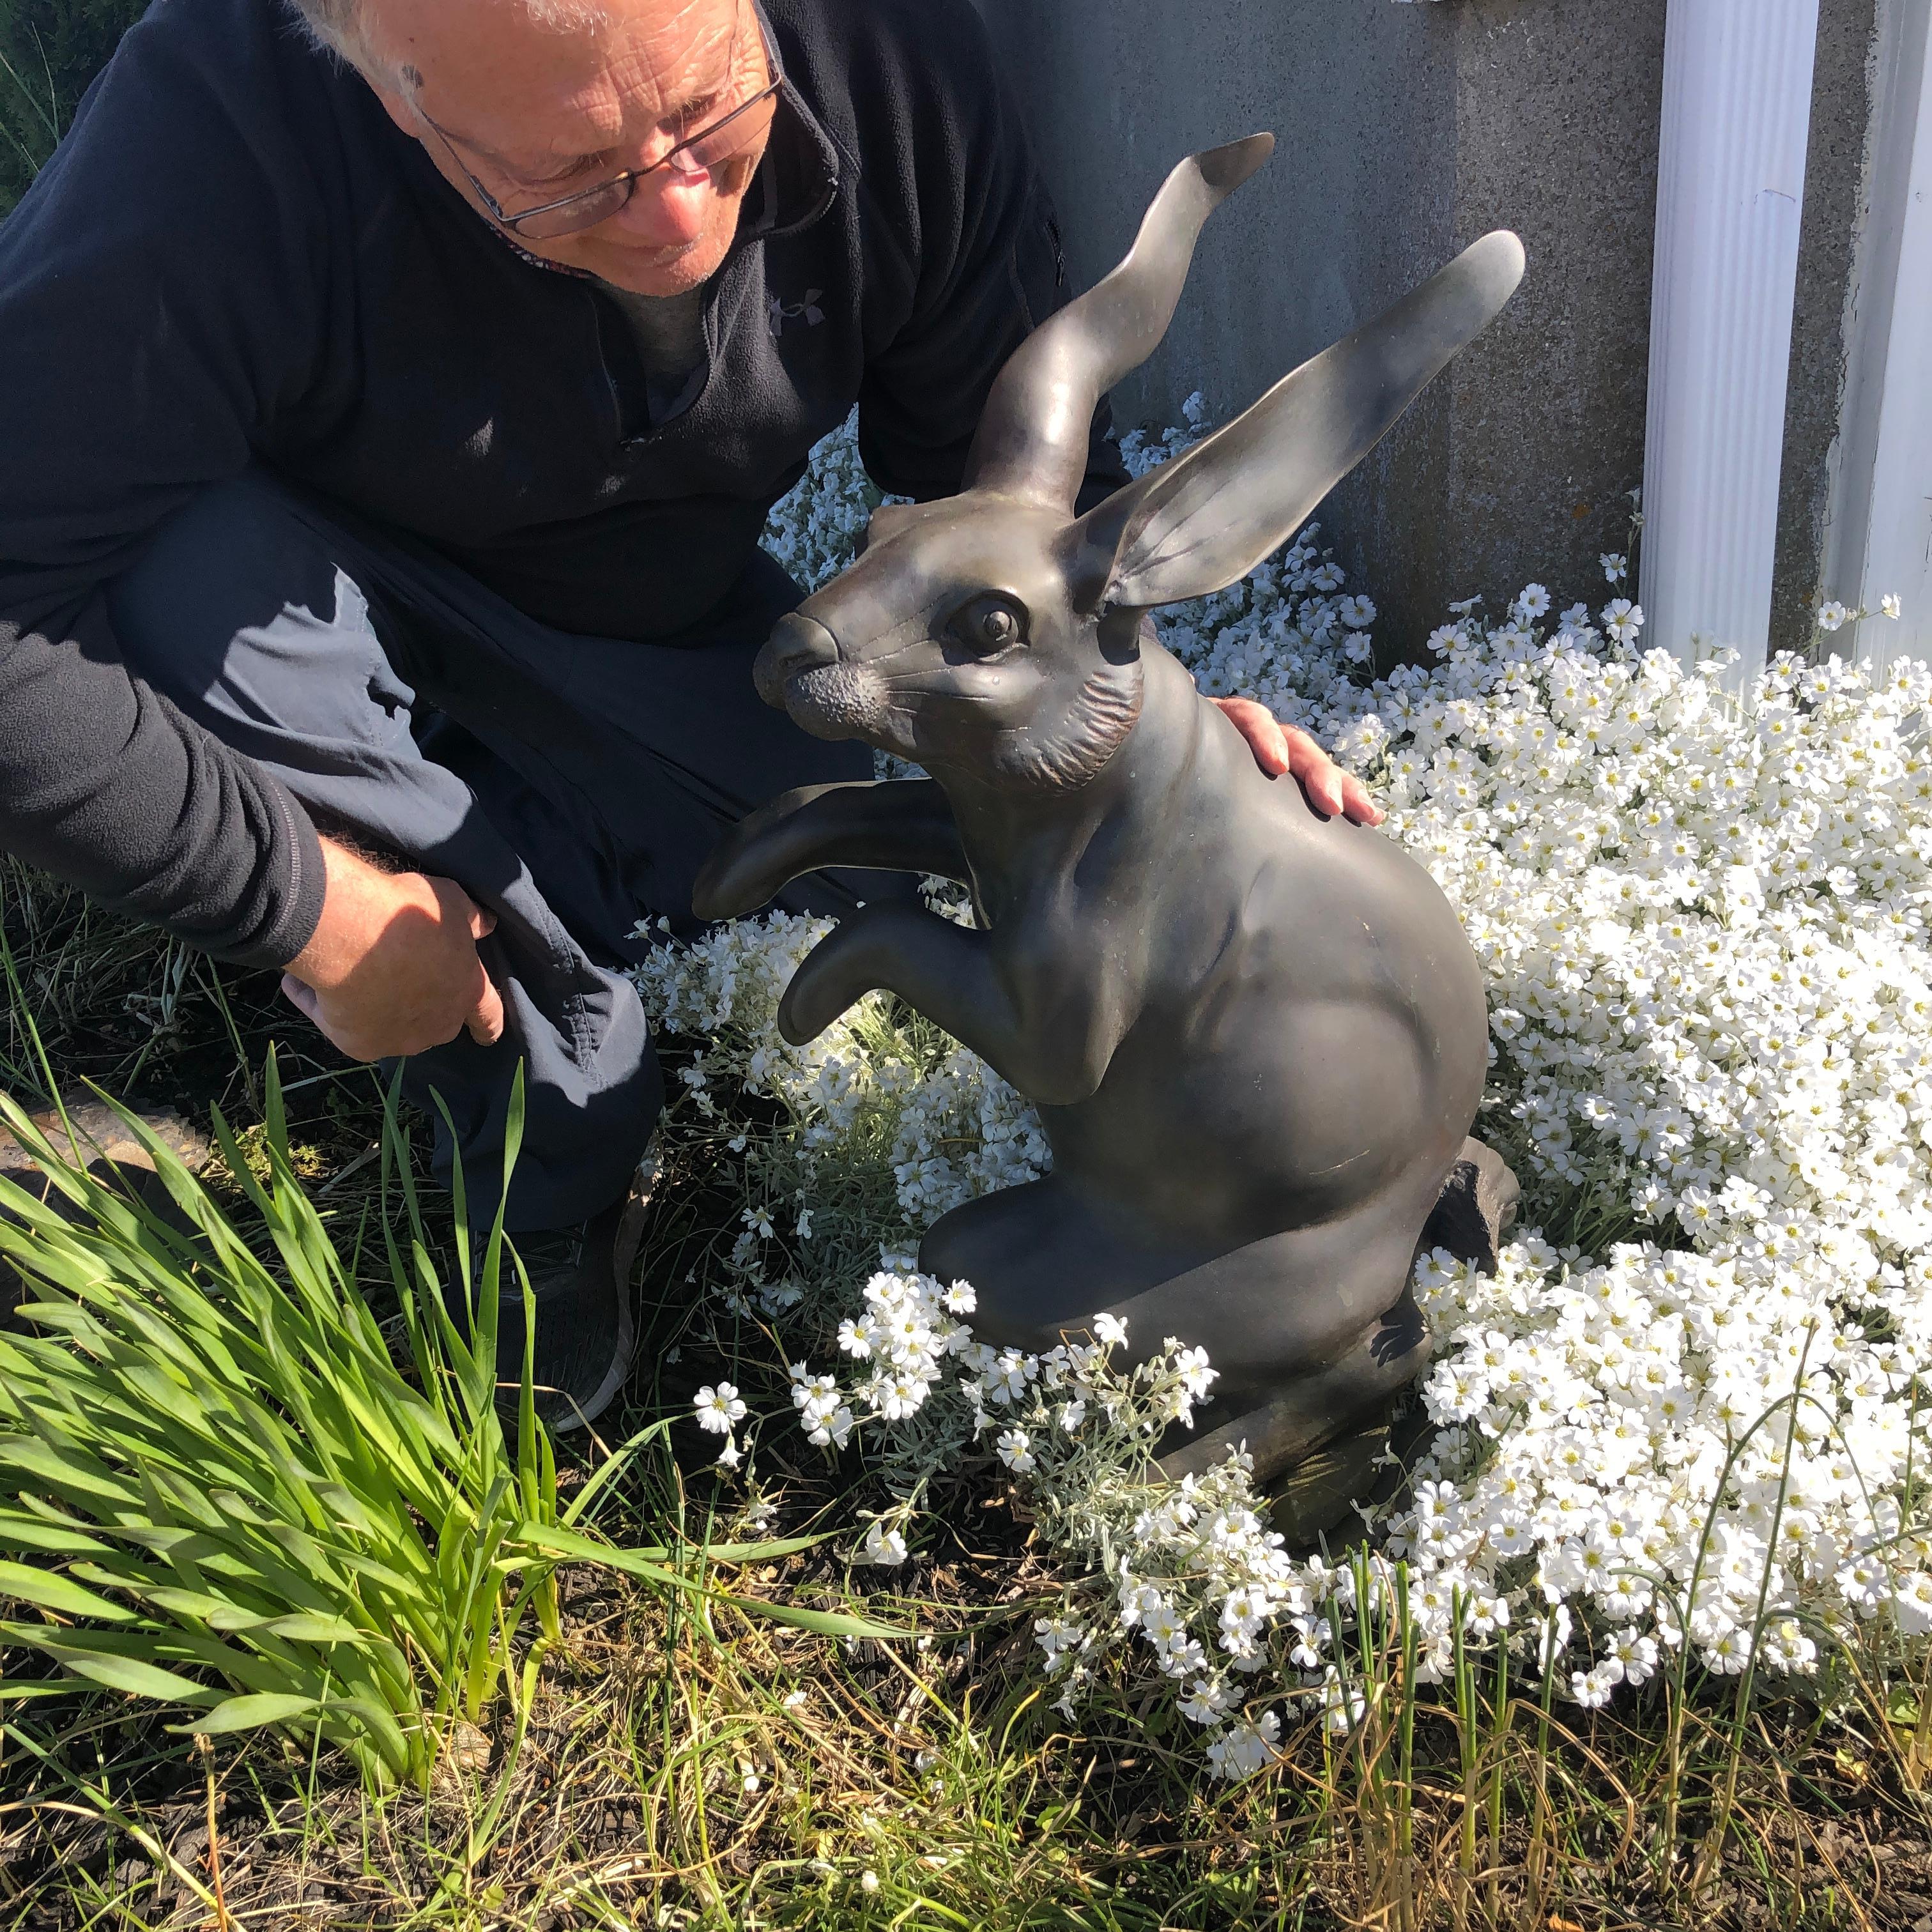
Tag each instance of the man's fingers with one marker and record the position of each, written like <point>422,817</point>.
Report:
<point>1279,749</point>
<point>1356,803</point>
<point>1272,752</point>
<point>308,1002</point>
<point>1330,788</point>
<point>1262,730</point>
<point>485,1025</point>
<point>1320,777</point>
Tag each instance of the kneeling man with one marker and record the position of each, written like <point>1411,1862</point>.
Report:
<point>395,392</point>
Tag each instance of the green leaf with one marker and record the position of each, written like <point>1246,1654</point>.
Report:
<point>310,1629</point>
<point>66,1476</point>
<point>19,1532</point>
<point>760,1553</point>
<point>118,1673</point>
<point>825,1623</point>
<point>218,1612</point>
<point>248,1713</point>
<point>51,1687</point>
<point>49,1590</point>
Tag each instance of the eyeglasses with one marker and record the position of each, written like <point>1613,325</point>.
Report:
<point>714,146</point>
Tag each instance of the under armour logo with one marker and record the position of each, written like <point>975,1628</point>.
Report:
<point>782,312</point>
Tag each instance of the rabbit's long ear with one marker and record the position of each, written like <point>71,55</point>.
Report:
<point>1201,521</point>
<point>1032,438</point>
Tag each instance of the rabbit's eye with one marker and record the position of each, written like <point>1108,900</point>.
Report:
<point>988,624</point>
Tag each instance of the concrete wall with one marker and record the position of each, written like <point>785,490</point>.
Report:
<point>1405,132</point>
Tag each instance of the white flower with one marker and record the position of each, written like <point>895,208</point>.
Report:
<point>1063,1639</point>
<point>1592,1688</point>
<point>1634,1654</point>
<point>1006,1378</point>
<point>1622,620</point>
<point>1191,1365</point>
<point>1833,615</point>
<point>1015,1448</point>
<point>718,1409</point>
<point>1242,1749</point>
<point>1205,1703</point>
<point>1110,1331</point>
<point>1615,566</point>
<point>1343,1705</point>
<point>1161,1623</point>
<point>1552,1634</point>
<point>884,1546</point>
<point>1890,607</point>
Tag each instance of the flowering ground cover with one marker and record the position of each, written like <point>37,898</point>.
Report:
<point>1682,1421</point>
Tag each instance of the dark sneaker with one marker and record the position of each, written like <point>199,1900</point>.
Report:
<point>587,1311</point>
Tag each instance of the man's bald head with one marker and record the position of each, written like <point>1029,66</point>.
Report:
<point>535,101</point>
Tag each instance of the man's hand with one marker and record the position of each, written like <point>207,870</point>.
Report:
<point>1279,747</point>
<point>393,967</point>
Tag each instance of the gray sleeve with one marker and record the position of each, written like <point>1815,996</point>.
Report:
<point>105,785</point>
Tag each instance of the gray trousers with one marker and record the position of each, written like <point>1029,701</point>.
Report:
<point>572,785</point>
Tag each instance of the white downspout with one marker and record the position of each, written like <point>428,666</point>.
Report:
<point>1879,538</point>
<point>1730,192</point>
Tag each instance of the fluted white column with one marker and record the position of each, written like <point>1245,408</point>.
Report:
<point>1730,191</point>
<point>1880,529</point>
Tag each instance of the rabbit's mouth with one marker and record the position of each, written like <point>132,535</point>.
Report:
<point>837,700</point>
<point>801,672</point>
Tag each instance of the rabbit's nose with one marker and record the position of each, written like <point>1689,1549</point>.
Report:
<point>797,644</point>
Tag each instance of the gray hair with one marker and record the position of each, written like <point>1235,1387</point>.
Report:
<point>337,26</point>
<point>341,27</point>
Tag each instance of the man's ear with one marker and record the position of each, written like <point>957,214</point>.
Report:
<point>1198,522</point>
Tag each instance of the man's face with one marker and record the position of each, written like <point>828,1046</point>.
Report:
<point>536,112</point>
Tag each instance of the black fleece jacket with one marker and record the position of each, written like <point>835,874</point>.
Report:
<point>235,257</point>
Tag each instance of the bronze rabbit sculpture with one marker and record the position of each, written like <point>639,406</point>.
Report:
<point>1256,1036</point>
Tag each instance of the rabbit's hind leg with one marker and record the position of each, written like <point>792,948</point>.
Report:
<point>1336,1404</point>
<point>1309,1411</point>
<point>1043,1260</point>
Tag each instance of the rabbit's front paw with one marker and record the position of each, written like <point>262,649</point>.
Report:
<point>821,989</point>
<point>731,882</point>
